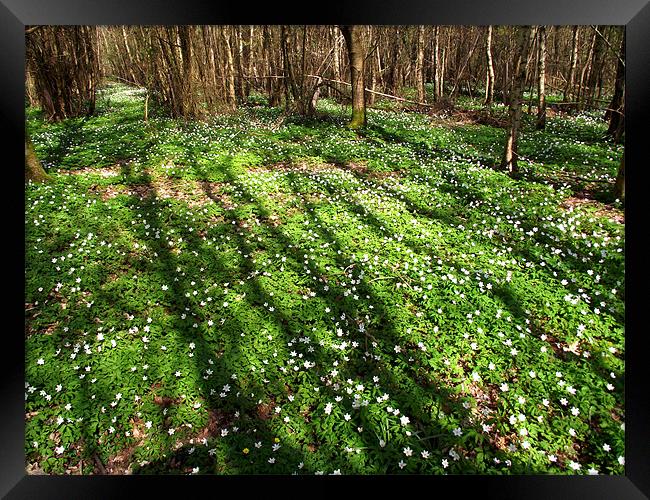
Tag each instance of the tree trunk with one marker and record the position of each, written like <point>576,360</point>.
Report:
<point>568,91</point>
<point>370,97</point>
<point>619,186</point>
<point>34,171</point>
<point>337,61</point>
<point>541,91</point>
<point>596,83</point>
<point>63,63</point>
<point>191,110</point>
<point>251,68</point>
<point>461,72</point>
<point>129,68</point>
<point>291,91</point>
<point>489,80</point>
<point>395,76</point>
<point>230,72</point>
<point>419,66</point>
<point>615,111</point>
<point>509,161</point>
<point>352,35</point>
<point>273,87</point>
<point>436,64</point>
<point>443,64</point>
<point>584,90</point>
<point>620,128</point>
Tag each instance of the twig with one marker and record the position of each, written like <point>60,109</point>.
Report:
<point>127,81</point>
<point>608,44</point>
<point>377,93</point>
<point>383,278</point>
<point>325,80</point>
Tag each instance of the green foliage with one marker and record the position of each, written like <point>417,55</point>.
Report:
<point>244,296</point>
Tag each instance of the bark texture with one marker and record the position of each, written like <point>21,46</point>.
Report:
<point>352,35</point>
<point>509,161</point>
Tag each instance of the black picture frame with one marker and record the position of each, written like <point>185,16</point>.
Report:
<point>634,14</point>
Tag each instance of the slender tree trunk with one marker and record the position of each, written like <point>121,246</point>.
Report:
<point>352,35</point>
<point>273,87</point>
<point>614,113</point>
<point>419,65</point>
<point>569,89</point>
<point>619,186</point>
<point>505,82</point>
<point>304,98</point>
<point>443,66</point>
<point>290,86</point>
<point>598,65</point>
<point>531,80</point>
<point>370,97</point>
<point>509,161</point>
<point>191,109</point>
<point>242,64</point>
<point>397,71</point>
<point>436,64</point>
<point>620,128</point>
<point>337,60</point>
<point>584,89</point>
<point>541,91</point>
<point>489,81</point>
<point>461,72</point>
<point>230,72</point>
<point>251,68</point>
<point>380,71</point>
<point>129,68</point>
<point>236,50</point>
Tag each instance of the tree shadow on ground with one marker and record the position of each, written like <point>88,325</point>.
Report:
<point>408,392</point>
<point>387,329</point>
<point>285,323</point>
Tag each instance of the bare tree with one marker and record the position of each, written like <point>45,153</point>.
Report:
<point>541,82</point>
<point>437,66</point>
<point>509,161</point>
<point>489,80</point>
<point>356,56</point>
<point>203,70</point>
<point>65,70</point>
<point>419,65</point>
<point>615,112</point>
<point>570,83</point>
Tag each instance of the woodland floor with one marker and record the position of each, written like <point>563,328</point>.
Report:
<point>259,295</point>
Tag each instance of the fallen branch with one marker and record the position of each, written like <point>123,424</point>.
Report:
<point>350,85</point>
<point>382,278</point>
<point>377,93</point>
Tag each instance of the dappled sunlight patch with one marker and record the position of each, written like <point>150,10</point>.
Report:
<point>586,205</point>
<point>105,172</point>
<point>462,117</point>
<point>192,193</point>
<point>302,167</point>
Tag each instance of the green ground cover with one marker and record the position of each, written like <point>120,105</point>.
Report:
<point>259,295</point>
